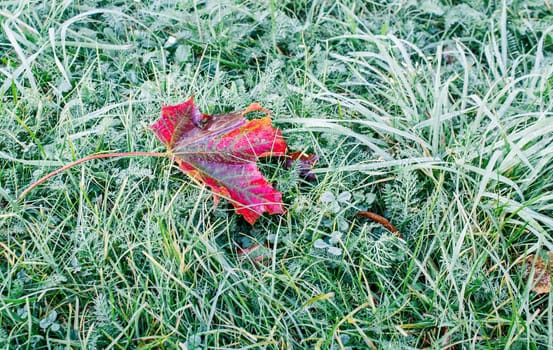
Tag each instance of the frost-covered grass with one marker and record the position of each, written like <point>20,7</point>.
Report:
<point>437,116</point>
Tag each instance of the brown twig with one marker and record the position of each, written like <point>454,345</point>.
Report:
<point>86,159</point>
<point>381,220</point>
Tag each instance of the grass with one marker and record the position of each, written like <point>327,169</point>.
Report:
<point>437,116</point>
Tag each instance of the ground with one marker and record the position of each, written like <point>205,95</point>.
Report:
<point>436,115</point>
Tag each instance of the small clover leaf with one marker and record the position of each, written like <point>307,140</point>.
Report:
<point>344,197</point>
<point>22,312</point>
<point>332,202</point>
<point>335,238</point>
<point>335,250</point>
<point>48,320</point>
<point>327,197</point>
<point>320,244</point>
<point>370,198</point>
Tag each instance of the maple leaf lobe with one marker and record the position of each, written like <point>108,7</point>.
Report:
<point>221,151</point>
<point>170,127</point>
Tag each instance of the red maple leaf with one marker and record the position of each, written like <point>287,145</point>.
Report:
<point>221,151</point>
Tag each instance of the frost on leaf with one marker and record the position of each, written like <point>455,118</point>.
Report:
<point>221,151</point>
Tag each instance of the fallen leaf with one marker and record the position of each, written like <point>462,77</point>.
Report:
<point>221,151</point>
<point>381,220</point>
<point>541,279</point>
<point>305,163</point>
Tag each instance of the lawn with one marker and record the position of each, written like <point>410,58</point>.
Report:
<point>435,114</point>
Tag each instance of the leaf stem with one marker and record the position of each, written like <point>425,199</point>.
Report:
<point>86,159</point>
